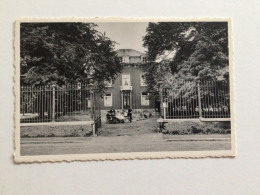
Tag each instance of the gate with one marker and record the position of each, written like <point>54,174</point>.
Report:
<point>96,112</point>
<point>196,100</point>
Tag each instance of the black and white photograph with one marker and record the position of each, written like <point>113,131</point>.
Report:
<point>106,89</point>
<point>130,97</point>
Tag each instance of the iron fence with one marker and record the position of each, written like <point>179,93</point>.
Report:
<point>194,100</point>
<point>55,103</point>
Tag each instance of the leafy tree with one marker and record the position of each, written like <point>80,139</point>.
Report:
<point>64,53</point>
<point>186,51</point>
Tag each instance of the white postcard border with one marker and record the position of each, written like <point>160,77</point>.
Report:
<point>128,155</point>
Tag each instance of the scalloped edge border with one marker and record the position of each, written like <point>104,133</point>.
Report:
<point>128,155</point>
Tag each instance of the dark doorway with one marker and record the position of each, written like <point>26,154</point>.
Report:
<point>157,106</point>
<point>126,99</point>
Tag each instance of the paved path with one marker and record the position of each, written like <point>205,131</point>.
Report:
<point>137,143</point>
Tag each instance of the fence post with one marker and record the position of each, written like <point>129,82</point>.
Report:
<point>199,100</point>
<point>92,100</point>
<point>93,114</point>
<point>164,112</point>
<point>161,96</point>
<point>161,101</point>
<point>94,106</point>
<point>53,103</point>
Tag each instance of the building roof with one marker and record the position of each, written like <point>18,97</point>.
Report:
<point>129,52</point>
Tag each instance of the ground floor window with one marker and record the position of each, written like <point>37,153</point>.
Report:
<point>108,100</point>
<point>144,99</point>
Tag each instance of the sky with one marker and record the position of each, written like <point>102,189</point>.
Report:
<point>128,35</point>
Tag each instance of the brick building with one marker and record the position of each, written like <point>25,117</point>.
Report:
<point>128,90</point>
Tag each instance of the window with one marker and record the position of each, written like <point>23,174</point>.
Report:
<point>144,99</point>
<point>143,59</point>
<point>120,59</point>
<point>108,83</point>
<point>126,59</point>
<point>108,100</point>
<point>142,80</point>
<point>126,80</point>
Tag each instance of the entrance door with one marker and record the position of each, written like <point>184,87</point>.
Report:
<point>126,99</point>
<point>157,106</point>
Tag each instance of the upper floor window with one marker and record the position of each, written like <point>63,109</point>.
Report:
<point>144,59</point>
<point>125,59</point>
<point>142,80</point>
<point>126,80</point>
<point>144,99</point>
<point>109,83</point>
<point>108,100</point>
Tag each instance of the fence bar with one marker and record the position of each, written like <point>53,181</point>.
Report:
<point>164,112</point>
<point>161,101</point>
<point>53,103</point>
<point>193,100</point>
<point>199,100</point>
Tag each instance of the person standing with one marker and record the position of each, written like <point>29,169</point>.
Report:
<point>130,114</point>
<point>113,111</point>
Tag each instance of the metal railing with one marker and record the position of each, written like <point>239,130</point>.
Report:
<point>193,100</point>
<point>55,103</point>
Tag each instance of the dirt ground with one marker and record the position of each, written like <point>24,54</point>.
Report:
<point>141,127</point>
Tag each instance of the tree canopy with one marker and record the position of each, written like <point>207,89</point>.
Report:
<point>186,51</point>
<point>64,53</point>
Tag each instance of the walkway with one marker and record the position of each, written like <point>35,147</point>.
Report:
<point>141,127</point>
<point>137,143</point>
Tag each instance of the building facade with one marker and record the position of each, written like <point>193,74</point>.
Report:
<point>128,90</point>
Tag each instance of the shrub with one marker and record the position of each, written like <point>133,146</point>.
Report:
<point>228,131</point>
<point>175,132</point>
<point>185,128</point>
<point>186,132</point>
<point>196,130</point>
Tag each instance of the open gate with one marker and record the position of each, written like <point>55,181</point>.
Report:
<point>96,112</point>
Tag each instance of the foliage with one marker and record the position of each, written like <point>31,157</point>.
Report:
<point>186,51</point>
<point>183,128</point>
<point>66,53</point>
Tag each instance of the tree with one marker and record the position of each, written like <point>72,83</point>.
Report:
<point>64,53</point>
<point>186,51</point>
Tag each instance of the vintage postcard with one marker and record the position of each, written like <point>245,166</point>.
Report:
<point>122,88</point>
